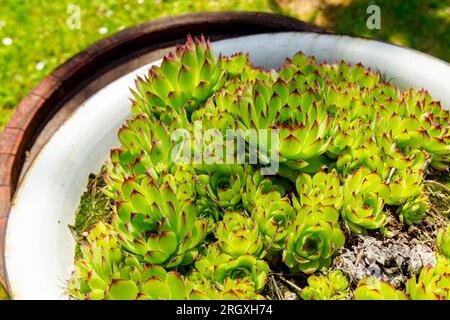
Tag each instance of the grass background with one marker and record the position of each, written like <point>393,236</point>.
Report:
<point>34,37</point>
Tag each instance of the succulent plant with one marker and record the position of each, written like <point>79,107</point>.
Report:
<point>274,215</point>
<point>258,184</point>
<point>314,239</point>
<point>185,78</point>
<point>333,286</point>
<point>231,290</point>
<point>246,267</point>
<point>161,225</point>
<point>215,273</point>
<point>323,188</point>
<point>215,267</point>
<point>347,143</point>
<point>238,235</point>
<point>433,283</point>
<point>144,146</point>
<point>105,272</point>
<point>223,184</point>
<point>373,289</point>
<point>362,207</point>
<point>413,211</point>
<point>443,241</point>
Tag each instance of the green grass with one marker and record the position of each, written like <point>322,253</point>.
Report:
<point>420,24</point>
<point>41,37</point>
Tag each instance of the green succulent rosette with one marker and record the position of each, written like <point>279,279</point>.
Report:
<point>362,207</point>
<point>145,148</point>
<point>214,269</point>
<point>223,184</point>
<point>443,241</point>
<point>332,286</point>
<point>368,155</point>
<point>432,283</point>
<point>373,289</point>
<point>274,215</point>
<point>314,239</point>
<point>238,235</point>
<point>185,78</point>
<point>246,267</point>
<point>161,225</point>
<point>231,290</point>
<point>414,210</point>
<point>323,188</point>
<point>259,185</point>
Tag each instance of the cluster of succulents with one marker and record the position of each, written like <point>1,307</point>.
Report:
<point>349,145</point>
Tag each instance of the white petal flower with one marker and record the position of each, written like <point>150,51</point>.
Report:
<point>7,41</point>
<point>103,30</point>
<point>40,65</point>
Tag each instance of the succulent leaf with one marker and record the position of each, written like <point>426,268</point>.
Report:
<point>374,289</point>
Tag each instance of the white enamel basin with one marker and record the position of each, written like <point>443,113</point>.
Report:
<point>39,246</point>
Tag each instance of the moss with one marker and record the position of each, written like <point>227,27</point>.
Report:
<point>94,206</point>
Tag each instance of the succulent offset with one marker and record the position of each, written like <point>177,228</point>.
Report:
<point>314,239</point>
<point>351,149</point>
<point>333,286</point>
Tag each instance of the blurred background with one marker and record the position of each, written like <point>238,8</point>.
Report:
<point>36,36</point>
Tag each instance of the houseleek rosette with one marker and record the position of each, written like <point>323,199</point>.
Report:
<point>333,286</point>
<point>231,290</point>
<point>221,183</point>
<point>162,226</point>
<point>362,207</point>
<point>238,235</point>
<point>413,211</point>
<point>323,188</point>
<point>274,215</point>
<point>145,148</point>
<point>259,185</point>
<point>185,78</point>
<point>314,239</point>
<point>215,272</point>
